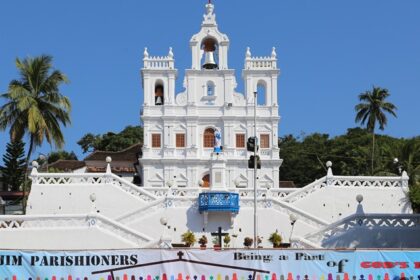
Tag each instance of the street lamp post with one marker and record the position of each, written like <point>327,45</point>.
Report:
<point>255,171</point>
<point>293,220</point>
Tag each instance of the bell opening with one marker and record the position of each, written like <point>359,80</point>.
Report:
<point>210,53</point>
<point>159,91</point>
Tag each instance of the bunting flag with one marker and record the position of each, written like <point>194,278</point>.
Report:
<point>210,265</point>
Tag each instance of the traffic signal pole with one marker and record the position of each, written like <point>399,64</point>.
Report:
<point>255,171</point>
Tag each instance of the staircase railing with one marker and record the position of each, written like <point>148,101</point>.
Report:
<point>28,222</point>
<point>367,181</point>
<point>393,221</point>
<point>307,190</point>
<point>91,179</point>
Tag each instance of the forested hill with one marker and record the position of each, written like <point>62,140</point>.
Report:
<point>305,157</point>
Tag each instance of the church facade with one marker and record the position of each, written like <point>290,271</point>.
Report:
<point>179,128</point>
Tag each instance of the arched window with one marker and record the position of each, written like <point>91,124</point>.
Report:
<point>159,93</point>
<point>261,93</point>
<point>210,49</point>
<point>210,88</point>
<point>208,138</point>
<point>206,181</point>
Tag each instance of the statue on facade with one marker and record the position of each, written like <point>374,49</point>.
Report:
<point>217,141</point>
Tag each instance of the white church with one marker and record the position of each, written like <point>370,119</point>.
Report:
<point>179,127</point>
<point>196,175</point>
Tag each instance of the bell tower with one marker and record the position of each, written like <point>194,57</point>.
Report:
<point>209,47</point>
<point>159,75</point>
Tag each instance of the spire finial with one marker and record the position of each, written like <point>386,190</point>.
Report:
<point>248,52</point>
<point>273,53</point>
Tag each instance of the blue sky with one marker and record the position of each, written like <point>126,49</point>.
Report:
<point>329,51</point>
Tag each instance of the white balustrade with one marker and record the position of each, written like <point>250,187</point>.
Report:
<point>174,192</point>
<point>91,179</point>
<point>371,221</point>
<point>307,190</point>
<point>348,181</point>
<point>366,181</point>
<point>159,62</point>
<point>51,222</point>
<point>264,63</point>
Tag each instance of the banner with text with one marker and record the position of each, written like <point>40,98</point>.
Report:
<point>193,264</point>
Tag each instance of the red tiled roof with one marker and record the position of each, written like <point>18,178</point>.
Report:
<point>117,169</point>
<point>65,165</point>
<point>129,154</point>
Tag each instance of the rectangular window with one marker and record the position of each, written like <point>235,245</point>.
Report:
<point>240,140</point>
<point>265,141</point>
<point>156,141</point>
<point>180,140</point>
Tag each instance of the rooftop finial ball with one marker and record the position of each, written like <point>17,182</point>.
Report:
<point>359,198</point>
<point>108,159</point>
<point>35,164</point>
<point>329,164</point>
<point>163,221</point>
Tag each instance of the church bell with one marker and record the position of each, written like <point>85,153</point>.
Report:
<point>158,100</point>
<point>209,62</point>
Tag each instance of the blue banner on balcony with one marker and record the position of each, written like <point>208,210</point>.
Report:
<point>210,265</point>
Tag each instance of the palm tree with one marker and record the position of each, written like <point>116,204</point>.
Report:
<point>372,110</point>
<point>34,105</point>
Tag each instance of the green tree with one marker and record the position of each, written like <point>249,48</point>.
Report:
<point>111,141</point>
<point>34,105</point>
<point>371,111</point>
<point>13,171</point>
<point>54,156</point>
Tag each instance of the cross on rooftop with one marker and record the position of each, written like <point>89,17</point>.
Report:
<point>219,234</point>
<point>180,255</point>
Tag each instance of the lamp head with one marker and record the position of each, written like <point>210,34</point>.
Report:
<point>92,197</point>
<point>292,218</point>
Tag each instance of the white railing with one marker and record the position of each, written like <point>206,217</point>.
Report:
<point>174,192</point>
<point>261,63</point>
<point>275,193</point>
<point>391,221</point>
<point>367,181</point>
<point>91,179</point>
<point>307,190</point>
<point>45,222</point>
<point>159,62</point>
<point>348,181</point>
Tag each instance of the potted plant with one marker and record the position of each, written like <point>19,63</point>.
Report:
<point>226,240</point>
<point>216,244</point>
<point>275,239</point>
<point>188,238</point>
<point>203,242</point>
<point>248,241</point>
